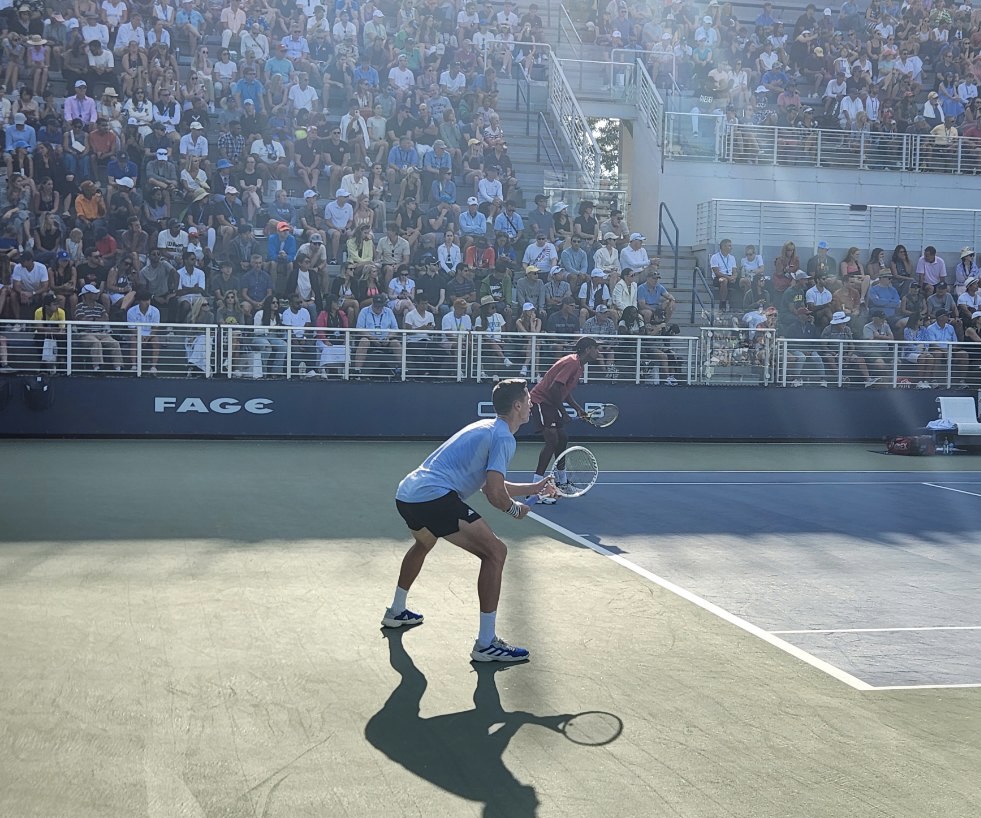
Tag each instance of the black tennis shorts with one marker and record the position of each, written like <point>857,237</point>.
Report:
<point>547,416</point>
<point>440,516</point>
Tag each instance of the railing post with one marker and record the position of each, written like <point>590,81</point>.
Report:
<point>209,351</point>
<point>895,365</point>
<point>950,364</point>
<point>69,350</point>
<point>139,351</point>
<point>404,344</point>
<point>289,354</point>
<point>841,364</point>
<point>817,149</point>
<point>638,362</point>
<point>861,151</point>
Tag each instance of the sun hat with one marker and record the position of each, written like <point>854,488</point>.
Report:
<point>608,235</point>
<point>967,251</point>
<point>111,92</point>
<point>839,318</point>
<point>487,299</point>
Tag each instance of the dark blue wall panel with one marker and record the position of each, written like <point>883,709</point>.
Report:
<point>129,407</point>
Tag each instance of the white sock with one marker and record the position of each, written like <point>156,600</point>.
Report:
<point>560,473</point>
<point>398,604</point>
<point>488,624</point>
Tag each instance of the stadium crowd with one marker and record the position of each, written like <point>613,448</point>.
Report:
<point>877,69</point>
<point>293,163</point>
<point>888,297</point>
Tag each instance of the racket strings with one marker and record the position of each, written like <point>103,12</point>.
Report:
<point>580,470</point>
<point>604,416</point>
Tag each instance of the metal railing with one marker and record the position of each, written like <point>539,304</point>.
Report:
<point>602,80</point>
<point>568,31</point>
<point>706,136</point>
<point>107,347</point>
<point>723,356</point>
<point>603,199</point>
<point>729,356</point>
<point>522,93</point>
<point>702,297</point>
<point>669,233</point>
<point>924,364</point>
<point>548,147</point>
<point>573,124</point>
<point>650,106</point>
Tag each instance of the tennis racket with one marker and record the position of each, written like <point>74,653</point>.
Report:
<point>602,416</point>
<point>594,728</point>
<point>574,472</point>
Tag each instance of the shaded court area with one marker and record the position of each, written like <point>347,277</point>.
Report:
<point>191,629</point>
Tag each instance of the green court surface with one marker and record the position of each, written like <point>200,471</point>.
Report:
<point>192,629</point>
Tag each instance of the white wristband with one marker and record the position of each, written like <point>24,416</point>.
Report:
<point>514,511</point>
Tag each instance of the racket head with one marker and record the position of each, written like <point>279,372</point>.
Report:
<point>581,471</point>
<point>592,728</point>
<point>603,416</point>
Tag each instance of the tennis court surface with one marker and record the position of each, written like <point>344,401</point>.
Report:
<point>192,629</point>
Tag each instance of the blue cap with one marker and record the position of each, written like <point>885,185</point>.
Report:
<point>223,163</point>
<point>20,143</point>
<point>62,254</point>
<point>822,245</point>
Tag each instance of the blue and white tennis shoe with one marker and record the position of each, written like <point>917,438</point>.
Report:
<point>394,620</point>
<point>498,651</point>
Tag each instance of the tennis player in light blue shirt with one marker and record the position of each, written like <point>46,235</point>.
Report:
<point>431,501</point>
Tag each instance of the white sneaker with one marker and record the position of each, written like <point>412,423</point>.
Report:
<point>153,370</point>
<point>545,500</point>
<point>524,372</point>
<point>823,383</point>
<point>797,382</point>
<point>507,362</point>
<point>871,382</point>
<point>923,385</point>
<point>390,619</point>
<point>671,381</point>
<point>311,373</point>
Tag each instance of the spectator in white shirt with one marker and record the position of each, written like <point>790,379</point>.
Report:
<point>724,271</point>
<point>634,255</point>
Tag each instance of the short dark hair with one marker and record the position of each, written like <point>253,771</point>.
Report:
<point>585,343</point>
<point>506,393</point>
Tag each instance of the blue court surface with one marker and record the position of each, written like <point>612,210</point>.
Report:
<point>872,577</point>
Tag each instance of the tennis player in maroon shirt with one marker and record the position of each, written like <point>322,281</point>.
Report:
<point>548,410</point>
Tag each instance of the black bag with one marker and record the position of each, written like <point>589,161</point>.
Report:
<point>37,392</point>
<point>912,445</point>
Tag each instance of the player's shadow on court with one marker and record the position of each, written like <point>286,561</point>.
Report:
<point>461,753</point>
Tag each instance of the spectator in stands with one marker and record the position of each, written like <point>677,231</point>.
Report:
<point>941,336</point>
<point>966,268</point>
<point>540,253</point>
<point>96,339</point>
<point>557,289</point>
<point>818,303</point>
<point>884,297</point>
<point>930,269</point>
<point>839,353</point>
<point>823,264</point>
<point>877,329</point>
<point>575,260</point>
<point>606,257</point>
<point>593,293</point>
<point>803,359</point>
<point>142,317</point>
<point>634,255</point>
<point>530,289</point>
<point>969,302</point>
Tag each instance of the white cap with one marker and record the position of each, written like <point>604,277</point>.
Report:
<point>125,181</point>
<point>472,200</point>
<point>378,13</point>
<point>638,237</point>
<point>555,269</point>
<point>192,230</point>
<point>197,126</point>
<point>598,273</point>
<point>161,153</point>
<point>529,306</point>
<point>617,34</point>
<point>310,194</point>
<point>601,308</point>
<point>342,192</point>
<point>231,190</point>
<point>976,314</point>
<point>89,288</point>
<point>81,84</point>
<point>706,19</point>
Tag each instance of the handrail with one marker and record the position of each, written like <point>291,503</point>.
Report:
<point>554,155</point>
<point>518,95</point>
<point>650,106</point>
<point>494,45</point>
<point>572,34</point>
<point>662,233</point>
<point>698,277</point>
<point>574,125</point>
<point>613,80</point>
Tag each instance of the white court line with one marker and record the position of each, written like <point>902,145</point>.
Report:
<point>784,483</point>
<point>886,630</point>
<point>947,488</point>
<point>732,619</point>
<point>927,687</point>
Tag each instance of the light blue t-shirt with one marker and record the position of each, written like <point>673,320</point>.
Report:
<point>461,463</point>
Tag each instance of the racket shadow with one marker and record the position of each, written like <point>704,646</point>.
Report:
<point>461,753</point>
